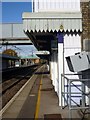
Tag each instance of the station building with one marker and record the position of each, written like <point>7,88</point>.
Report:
<point>58,27</point>
<point>29,60</point>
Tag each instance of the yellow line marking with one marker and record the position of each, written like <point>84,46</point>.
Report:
<point>38,101</point>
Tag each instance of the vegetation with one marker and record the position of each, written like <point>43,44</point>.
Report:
<point>10,52</point>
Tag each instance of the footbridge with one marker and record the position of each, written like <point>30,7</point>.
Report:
<point>13,34</point>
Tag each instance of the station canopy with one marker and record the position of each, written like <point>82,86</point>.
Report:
<point>42,54</point>
<point>42,27</point>
<point>9,57</point>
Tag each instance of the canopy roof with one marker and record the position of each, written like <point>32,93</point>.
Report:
<point>43,27</point>
<point>5,56</point>
<point>30,57</point>
<point>52,21</point>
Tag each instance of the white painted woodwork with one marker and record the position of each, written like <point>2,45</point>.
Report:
<point>56,5</point>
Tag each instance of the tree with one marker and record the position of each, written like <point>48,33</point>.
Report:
<point>10,52</point>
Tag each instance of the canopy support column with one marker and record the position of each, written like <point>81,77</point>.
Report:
<point>60,62</point>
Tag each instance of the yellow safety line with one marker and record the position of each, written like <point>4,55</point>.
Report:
<point>38,101</point>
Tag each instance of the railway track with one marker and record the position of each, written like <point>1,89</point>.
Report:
<point>11,87</point>
<point>13,72</point>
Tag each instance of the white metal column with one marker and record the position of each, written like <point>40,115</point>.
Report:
<point>55,71</point>
<point>60,67</point>
<point>60,62</point>
<point>51,68</point>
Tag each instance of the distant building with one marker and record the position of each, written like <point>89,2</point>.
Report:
<point>29,60</point>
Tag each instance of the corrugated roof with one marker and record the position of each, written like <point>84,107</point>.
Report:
<point>55,21</point>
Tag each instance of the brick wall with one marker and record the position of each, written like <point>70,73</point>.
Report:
<point>85,9</point>
<point>89,19</point>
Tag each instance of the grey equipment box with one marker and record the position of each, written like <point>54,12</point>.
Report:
<point>79,61</point>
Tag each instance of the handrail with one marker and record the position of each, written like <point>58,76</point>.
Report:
<point>67,99</point>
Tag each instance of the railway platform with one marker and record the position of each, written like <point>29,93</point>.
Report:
<point>36,100</point>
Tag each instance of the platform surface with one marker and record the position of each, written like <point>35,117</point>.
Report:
<point>37,100</point>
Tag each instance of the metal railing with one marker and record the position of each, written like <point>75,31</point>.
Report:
<point>67,94</point>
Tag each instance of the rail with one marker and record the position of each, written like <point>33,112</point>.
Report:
<point>66,94</point>
<point>11,86</point>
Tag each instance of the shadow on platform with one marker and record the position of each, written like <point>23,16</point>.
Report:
<point>47,72</point>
